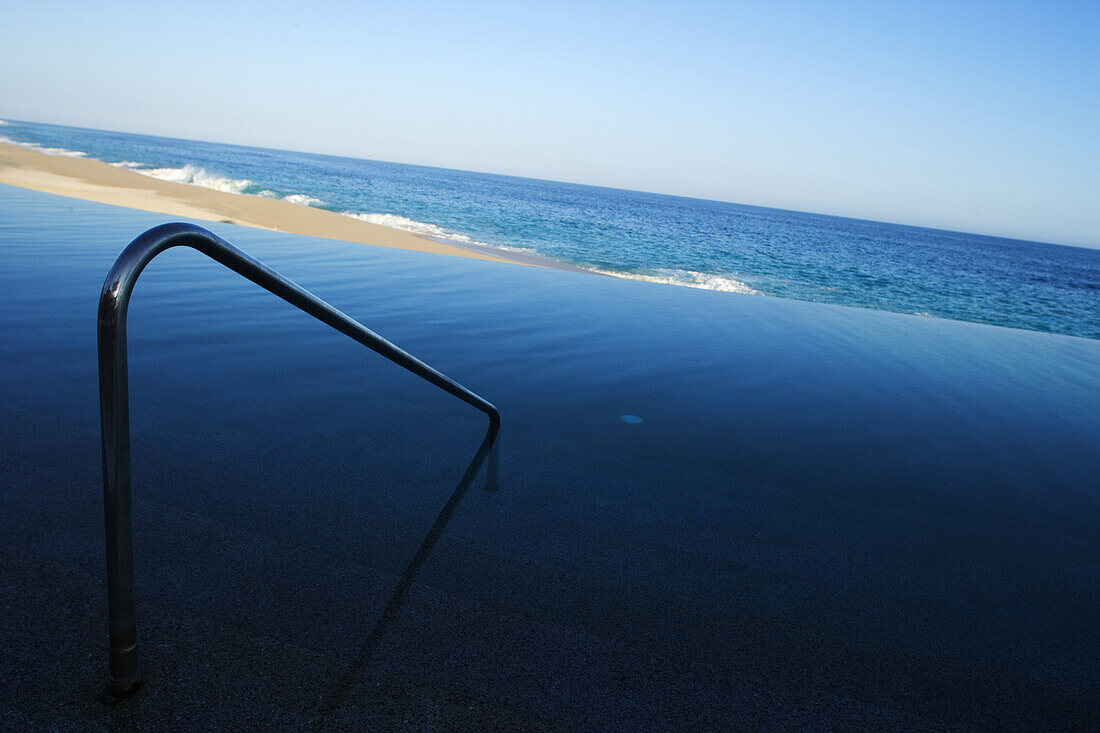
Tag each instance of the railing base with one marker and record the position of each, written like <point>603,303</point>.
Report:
<point>115,691</point>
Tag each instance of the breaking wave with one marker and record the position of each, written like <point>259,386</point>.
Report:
<point>197,177</point>
<point>300,198</point>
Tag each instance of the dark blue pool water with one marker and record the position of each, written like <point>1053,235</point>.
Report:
<point>813,514</point>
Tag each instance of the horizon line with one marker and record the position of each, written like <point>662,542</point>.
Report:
<point>570,183</point>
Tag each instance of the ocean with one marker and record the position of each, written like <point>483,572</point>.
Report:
<point>668,239</point>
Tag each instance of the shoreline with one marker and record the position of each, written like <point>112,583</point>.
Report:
<point>520,258</point>
<point>93,180</point>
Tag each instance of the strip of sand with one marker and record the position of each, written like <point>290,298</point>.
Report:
<point>93,180</point>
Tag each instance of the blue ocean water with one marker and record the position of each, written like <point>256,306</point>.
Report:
<point>681,241</point>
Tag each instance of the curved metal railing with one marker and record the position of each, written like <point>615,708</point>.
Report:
<point>115,414</point>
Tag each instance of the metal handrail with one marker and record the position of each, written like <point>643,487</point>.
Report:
<point>115,409</point>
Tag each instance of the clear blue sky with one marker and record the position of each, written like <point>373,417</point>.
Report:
<point>981,117</point>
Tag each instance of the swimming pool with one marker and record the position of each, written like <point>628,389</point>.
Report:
<point>715,510</point>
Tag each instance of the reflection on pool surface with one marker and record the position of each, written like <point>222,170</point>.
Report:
<point>714,510</point>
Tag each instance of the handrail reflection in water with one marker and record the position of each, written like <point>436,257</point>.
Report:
<point>115,416</point>
<point>400,590</point>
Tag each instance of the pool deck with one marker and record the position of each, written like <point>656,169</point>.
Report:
<point>827,518</point>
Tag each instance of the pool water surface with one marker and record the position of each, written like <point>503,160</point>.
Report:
<point>714,509</point>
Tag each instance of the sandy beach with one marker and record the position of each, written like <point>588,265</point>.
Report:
<point>94,180</point>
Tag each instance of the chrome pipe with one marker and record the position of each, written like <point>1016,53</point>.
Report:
<point>115,418</point>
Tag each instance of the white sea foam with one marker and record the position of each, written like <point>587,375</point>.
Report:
<point>301,198</point>
<point>393,221</point>
<point>268,194</point>
<point>2,123</point>
<point>39,149</point>
<point>198,177</point>
<point>686,278</point>
<point>127,164</point>
<point>506,248</point>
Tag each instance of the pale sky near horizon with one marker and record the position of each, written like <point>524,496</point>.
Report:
<point>974,116</point>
